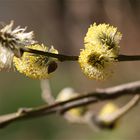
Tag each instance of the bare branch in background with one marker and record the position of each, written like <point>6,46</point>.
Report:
<point>109,121</point>
<point>61,107</point>
<point>123,110</point>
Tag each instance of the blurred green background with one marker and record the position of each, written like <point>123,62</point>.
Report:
<point>64,23</point>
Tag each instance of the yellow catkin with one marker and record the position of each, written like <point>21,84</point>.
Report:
<point>104,36</point>
<point>69,93</point>
<point>101,50</point>
<point>94,64</point>
<point>106,113</point>
<point>33,65</point>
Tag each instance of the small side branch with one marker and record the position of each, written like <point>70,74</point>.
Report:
<point>46,91</point>
<point>126,108</point>
<point>112,118</point>
<point>61,107</point>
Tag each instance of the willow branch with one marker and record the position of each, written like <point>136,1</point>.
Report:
<point>128,57</point>
<point>60,107</point>
<point>62,57</point>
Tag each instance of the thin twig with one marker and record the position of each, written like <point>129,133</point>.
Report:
<point>128,57</point>
<point>62,57</point>
<point>123,110</point>
<point>61,107</point>
<point>109,121</point>
<point>126,108</point>
<point>46,91</point>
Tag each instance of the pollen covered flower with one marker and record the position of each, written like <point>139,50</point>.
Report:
<point>104,36</point>
<point>11,40</point>
<point>5,59</point>
<point>14,38</point>
<point>101,50</point>
<point>36,66</point>
<point>94,64</point>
